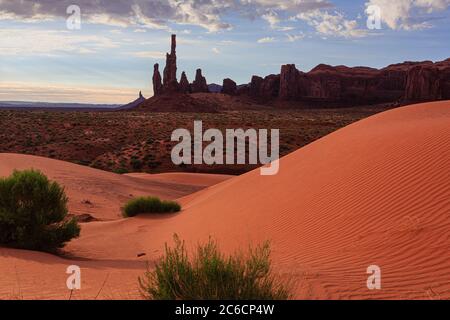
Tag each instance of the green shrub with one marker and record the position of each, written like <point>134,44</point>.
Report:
<point>136,164</point>
<point>149,205</point>
<point>33,213</point>
<point>210,275</point>
<point>120,171</point>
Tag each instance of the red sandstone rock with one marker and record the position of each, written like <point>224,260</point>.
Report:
<point>428,82</point>
<point>270,86</point>
<point>199,84</point>
<point>185,86</point>
<point>170,82</point>
<point>157,85</point>
<point>417,81</point>
<point>289,82</point>
<point>255,86</point>
<point>229,87</point>
<point>411,81</point>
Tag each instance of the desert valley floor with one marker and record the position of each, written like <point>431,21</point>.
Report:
<point>376,192</point>
<point>130,141</point>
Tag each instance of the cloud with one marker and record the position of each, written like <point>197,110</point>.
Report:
<point>266,40</point>
<point>215,50</point>
<point>274,21</point>
<point>159,14</point>
<point>272,18</point>
<point>332,24</point>
<point>50,42</point>
<point>296,37</point>
<point>155,14</point>
<point>148,54</point>
<point>285,29</point>
<point>211,15</point>
<point>408,14</point>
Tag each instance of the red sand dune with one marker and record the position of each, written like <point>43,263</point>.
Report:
<point>376,192</point>
<point>184,178</point>
<point>106,192</point>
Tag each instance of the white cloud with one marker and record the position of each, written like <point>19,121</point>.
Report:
<point>212,14</point>
<point>296,37</point>
<point>266,40</point>
<point>215,50</point>
<point>50,42</point>
<point>35,18</point>
<point>334,24</point>
<point>272,18</point>
<point>285,29</point>
<point>106,19</point>
<point>159,14</point>
<point>140,18</point>
<point>148,54</point>
<point>403,14</point>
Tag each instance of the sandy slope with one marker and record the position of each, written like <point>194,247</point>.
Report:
<point>375,192</point>
<point>184,178</point>
<point>106,192</point>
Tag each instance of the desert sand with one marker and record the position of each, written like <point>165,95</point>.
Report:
<point>183,178</point>
<point>376,192</point>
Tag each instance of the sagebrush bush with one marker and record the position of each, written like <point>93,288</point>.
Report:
<point>33,213</point>
<point>210,275</point>
<point>149,205</point>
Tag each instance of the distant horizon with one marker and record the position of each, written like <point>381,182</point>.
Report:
<point>58,102</point>
<point>110,58</point>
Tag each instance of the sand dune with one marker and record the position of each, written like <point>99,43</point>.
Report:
<point>375,192</point>
<point>100,193</point>
<point>184,178</point>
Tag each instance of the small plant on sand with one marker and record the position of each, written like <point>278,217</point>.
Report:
<point>149,205</point>
<point>210,275</point>
<point>33,213</point>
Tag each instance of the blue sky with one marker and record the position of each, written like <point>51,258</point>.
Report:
<point>111,57</point>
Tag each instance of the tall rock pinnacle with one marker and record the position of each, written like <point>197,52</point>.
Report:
<point>173,47</point>
<point>185,86</point>
<point>170,83</point>
<point>157,85</point>
<point>199,84</point>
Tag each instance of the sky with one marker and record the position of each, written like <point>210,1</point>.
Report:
<point>103,51</point>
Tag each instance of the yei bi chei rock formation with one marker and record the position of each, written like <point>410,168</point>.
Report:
<point>169,83</point>
<point>403,82</point>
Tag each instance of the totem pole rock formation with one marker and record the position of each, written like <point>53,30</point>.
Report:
<point>185,86</point>
<point>157,84</point>
<point>170,83</point>
<point>199,84</point>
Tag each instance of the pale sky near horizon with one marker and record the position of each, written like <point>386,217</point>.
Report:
<point>110,59</point>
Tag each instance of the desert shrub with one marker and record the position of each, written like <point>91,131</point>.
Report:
<point>33,213</point>
<point>210,275</point>
<point>120,171</point>
<point>136,164</point>
<point>149,205</point>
